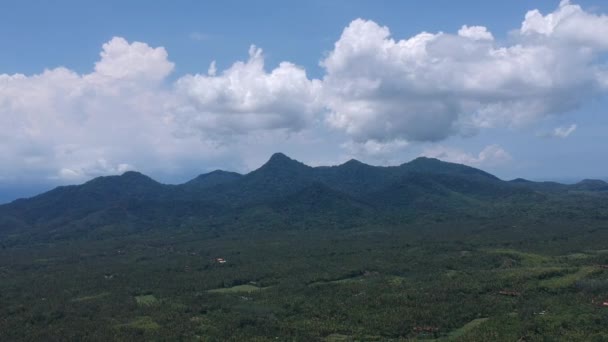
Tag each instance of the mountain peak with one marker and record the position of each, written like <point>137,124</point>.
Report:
<point>423,159</point>
<point>133,174</point>
<point>592,181</point>
<point>280,160</point>
<point>434,165</point>
<point>215,177</point>
<point>591,185</point>
<point>128,179</point>
<point>353,162</point>
<point>279,157</point>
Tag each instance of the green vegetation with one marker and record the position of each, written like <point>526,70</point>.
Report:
<point>465,329</point>
<point>356,284</point>
<point>569,279</point>
<point>141,323</point>
<point>146,300</point>
<point>237,289</point>
<point>423,251</point>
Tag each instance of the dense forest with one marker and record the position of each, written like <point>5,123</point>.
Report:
<point>426,250</point>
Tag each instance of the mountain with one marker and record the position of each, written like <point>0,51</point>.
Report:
<point>590,185</point>
<point>265,253</point>
<point>66,203</point>
<point>278,177</point>
<point>322,202</point>
<point>539,186</point>
<point>436,166</point>
<point>291,191</point>
<point>211,179</point>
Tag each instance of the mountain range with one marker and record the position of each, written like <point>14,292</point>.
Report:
<point>288,192</point>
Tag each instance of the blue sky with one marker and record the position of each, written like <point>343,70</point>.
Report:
<point>44,34</point>
<point>129,86</point>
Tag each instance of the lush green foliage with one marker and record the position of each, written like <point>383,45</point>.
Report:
<point>426,250</point>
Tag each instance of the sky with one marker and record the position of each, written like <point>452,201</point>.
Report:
<point>176,89</point>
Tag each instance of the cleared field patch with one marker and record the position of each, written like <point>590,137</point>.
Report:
<point>91,297</point>
<point>338,281</point>
<point>238,289</point>
<point>526,259</point>
<point>141,323</point>
<point>597,251</point>
<point>338,338</point>
<point>568,279</point>
<point>347,280</point>
<point>578,256</point>
<point>396,280</point>
<point>465,329</point>
<point>146,300</point>
<point>527,273</point>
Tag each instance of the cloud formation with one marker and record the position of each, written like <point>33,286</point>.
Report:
<point>245,98</point>
<point>59,123</point>
<point>490,156</point>
<point>560,132</point>
<point>434,85</point>
<point>380,94</point>
<point>375,148</point>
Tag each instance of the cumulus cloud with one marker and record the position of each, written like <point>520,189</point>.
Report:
<point>60,123</point>
<point>137,61</point>
<point>99,168</point>
<point>434,85</point>
<point>245,98</point>
<point>374,149</point>
<point>379,93</point>
<point>568,24</point>
<point>475,32</point>
<point>490,156</point>
<point>374,152</point>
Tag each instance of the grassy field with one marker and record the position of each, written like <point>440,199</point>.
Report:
<point>238,289</point>
<point>465,329</point>
<point>146,300</point>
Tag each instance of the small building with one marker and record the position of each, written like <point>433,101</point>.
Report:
<point>220,260</point>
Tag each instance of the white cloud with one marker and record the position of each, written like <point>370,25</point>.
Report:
<point>379,95</point>
<point>374,149</point>
<point>431,86</point>
<point>374,152</point>
<point>60,123</point>
<point>560,132</point>
<point>569,24</point>
<point>245,98</point>
<point>490,156</point>
<point>212,71</point>
<point>99,168</point>
<point>564,132</point>
<point>475,32</point>
<point>130,62</point>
